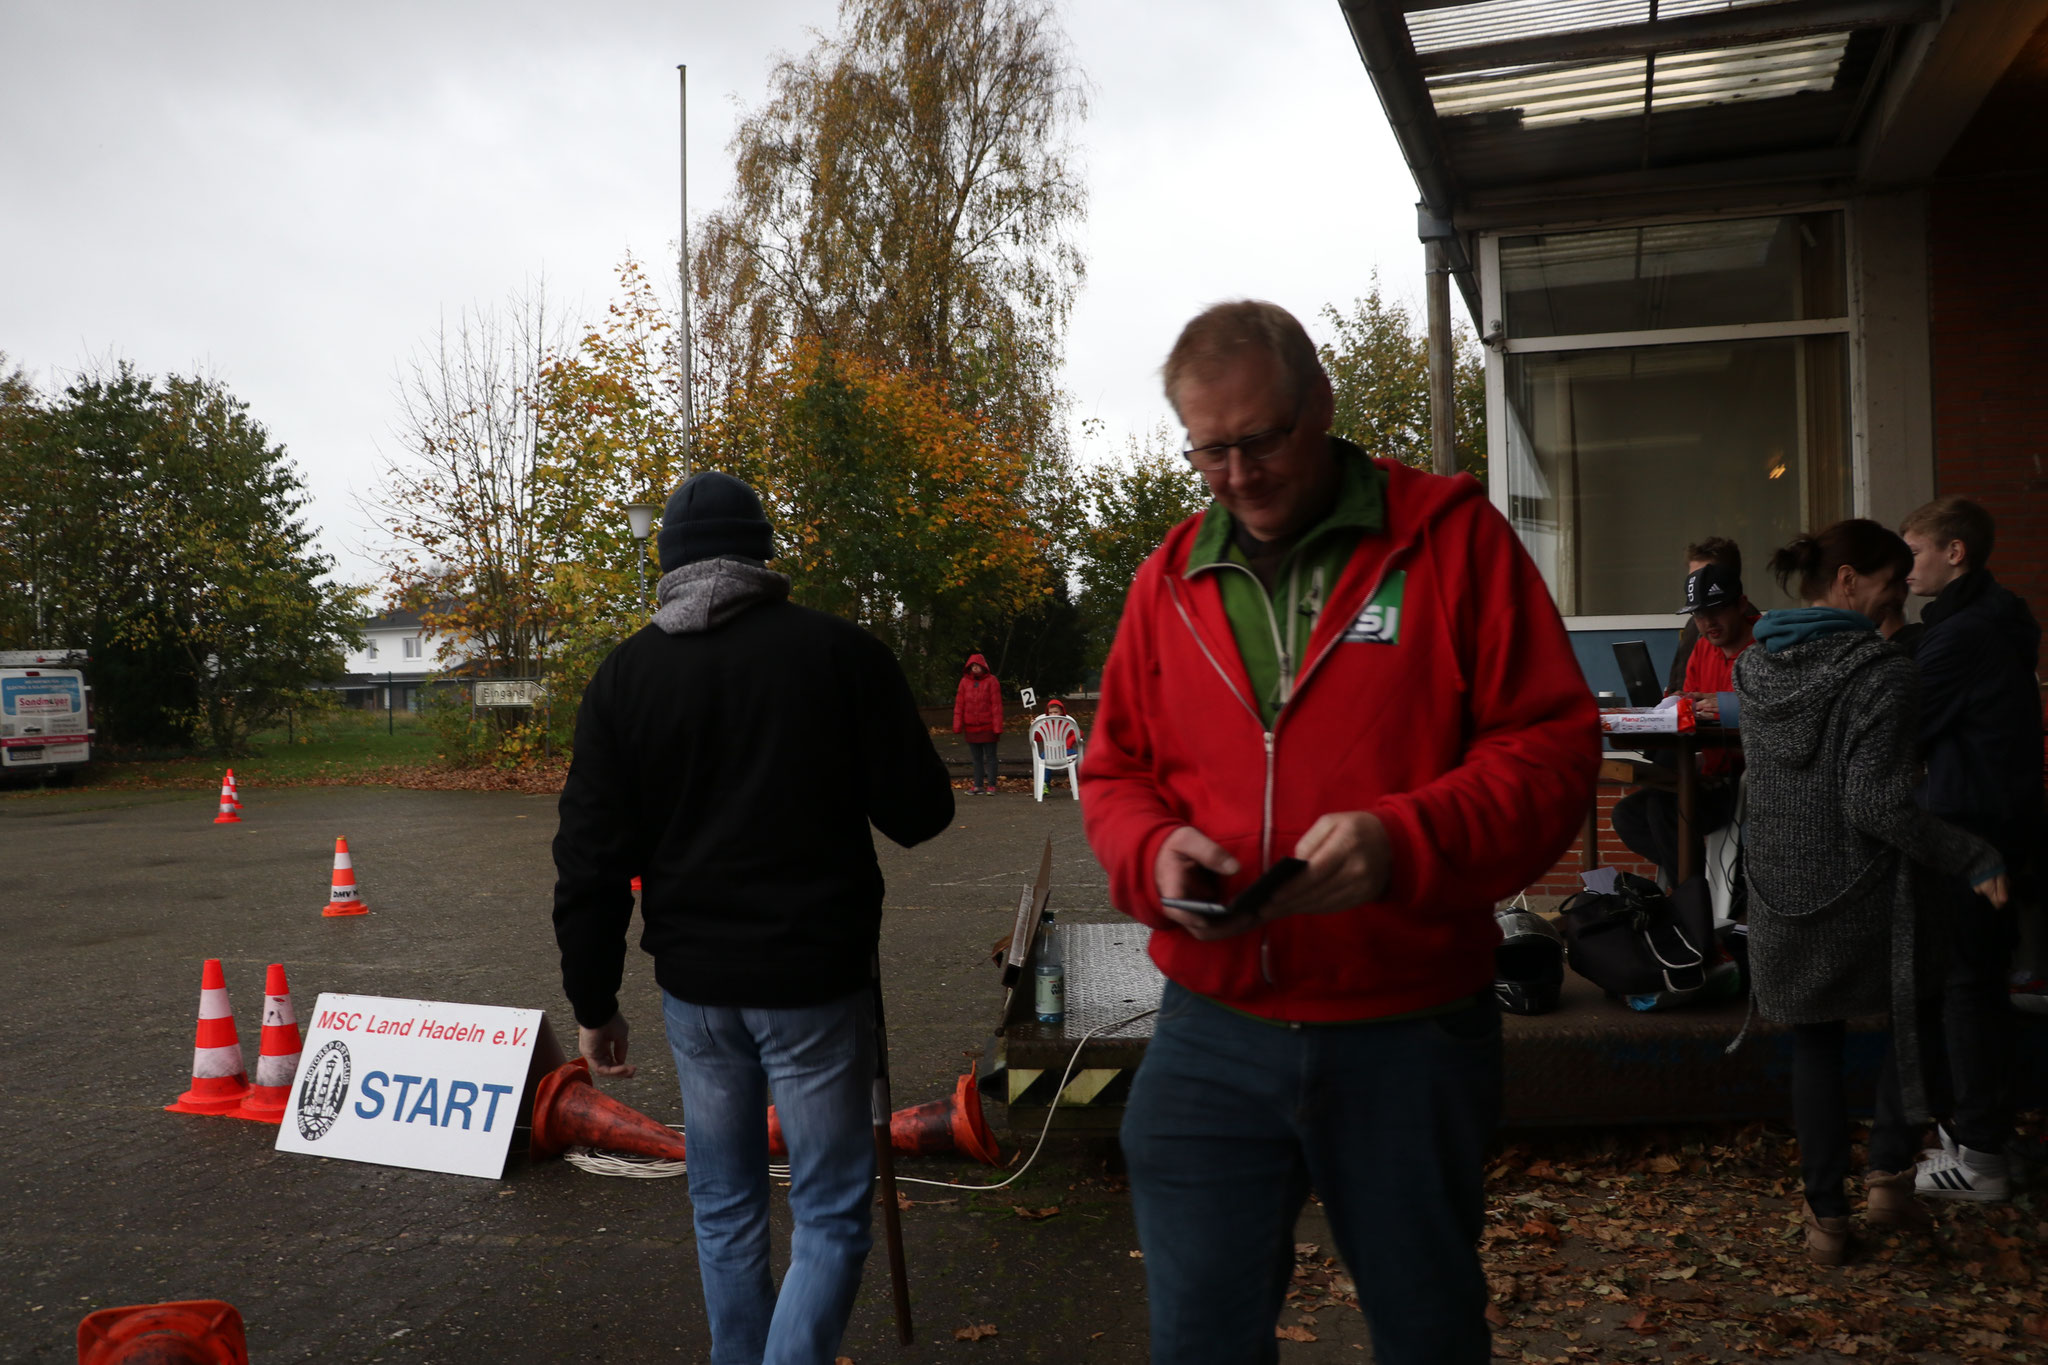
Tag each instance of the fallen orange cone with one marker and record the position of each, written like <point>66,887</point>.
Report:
<point>218,1079</point>
<point>195,1332</point>
<point>933,1128</point>
<point>939,1126</point>
<point>277,1061</point>
<point>568,1111</point>
<point>342,898</point>
<point>230,804</point>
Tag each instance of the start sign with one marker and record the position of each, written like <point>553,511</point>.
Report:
<point>419,1083</point>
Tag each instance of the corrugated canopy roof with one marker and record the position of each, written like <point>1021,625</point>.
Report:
<point>1498,96</point>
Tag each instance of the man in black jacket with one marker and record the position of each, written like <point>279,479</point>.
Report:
<point>733,754</point>
<point>1980,733</point>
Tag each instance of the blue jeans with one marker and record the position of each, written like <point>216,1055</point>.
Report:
<point>820,1059</point>
<point>1231,1123</point>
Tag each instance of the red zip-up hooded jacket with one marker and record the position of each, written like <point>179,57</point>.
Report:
<point>1464,723</point>
<point>977,702</point>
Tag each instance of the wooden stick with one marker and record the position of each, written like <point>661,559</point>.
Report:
<point>879,1109</point>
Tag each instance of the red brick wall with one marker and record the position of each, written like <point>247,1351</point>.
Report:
<point>1563,879</point>
<point>1988,318</point>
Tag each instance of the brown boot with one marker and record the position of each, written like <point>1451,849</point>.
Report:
<point>1889,1202</point>
<point>1827,1239</point>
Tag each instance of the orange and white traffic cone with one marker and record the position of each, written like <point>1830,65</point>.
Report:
<point>218,1079</point>
<point>230,804</point>
<point>194,1332</point>
<point>277,1063</point>
<point>342,899</point>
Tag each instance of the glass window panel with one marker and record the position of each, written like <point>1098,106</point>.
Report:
<point>1674,275</point>
<point>1616,460</point>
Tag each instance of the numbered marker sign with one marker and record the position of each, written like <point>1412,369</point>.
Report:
<point>1029,696</point>
<point>419,1083</point>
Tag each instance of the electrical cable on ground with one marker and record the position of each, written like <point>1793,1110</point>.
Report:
<point>630,1167</point>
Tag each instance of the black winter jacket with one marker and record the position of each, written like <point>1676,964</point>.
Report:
<point>1980,708</point>
<point>735,767</point>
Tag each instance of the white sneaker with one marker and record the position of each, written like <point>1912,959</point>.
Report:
<point>1964,1173</point>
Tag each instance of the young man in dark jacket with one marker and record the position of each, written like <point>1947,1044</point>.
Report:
<point>1353,663</point>
<point>1980,734</point>
<point>715,758</point>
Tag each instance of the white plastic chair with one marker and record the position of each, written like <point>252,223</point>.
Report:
<point>1049,753</point>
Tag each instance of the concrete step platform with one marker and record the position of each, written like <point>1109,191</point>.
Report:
<point>1592,1062</point>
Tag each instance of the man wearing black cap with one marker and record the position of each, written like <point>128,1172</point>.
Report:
<point>1647,820</point>
<point>732,754</point>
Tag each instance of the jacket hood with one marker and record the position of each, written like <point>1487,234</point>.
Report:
<point>967,669</point>
<point>706,593</point>
<point>1787,694</point>
<point>1413,500</point>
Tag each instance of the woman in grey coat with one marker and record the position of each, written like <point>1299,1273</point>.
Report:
<point>1832,844</point>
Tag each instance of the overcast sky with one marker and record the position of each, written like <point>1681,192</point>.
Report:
<point>291,198</point>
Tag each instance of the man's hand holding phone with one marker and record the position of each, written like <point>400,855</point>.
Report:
<point>1344,860</point>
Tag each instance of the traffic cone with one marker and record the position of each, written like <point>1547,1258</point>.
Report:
<point>930,1129</point>
<point>343,899</point>
<point>195,1332</point>
<point>230,804</point>
<point>940,1126</point>
<point>277,1063</point>
<point>218,1079</point>
<point>568,1111</point>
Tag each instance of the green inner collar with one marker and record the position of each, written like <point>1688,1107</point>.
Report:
<point>1361,506</point>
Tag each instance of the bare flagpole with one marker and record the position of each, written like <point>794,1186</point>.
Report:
<point>683,269</point>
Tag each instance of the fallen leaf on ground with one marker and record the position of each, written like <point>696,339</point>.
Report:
<point>1642,1324</point>
<point>1544,1228</point>
<point>1294,1334</point>
<point>1137,1255</point>
<point>986,1329</point>
<point>1097,1336</point>
<point>1050,1211</point>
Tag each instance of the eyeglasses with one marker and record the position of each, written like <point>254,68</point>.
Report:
<point>1264,446</point>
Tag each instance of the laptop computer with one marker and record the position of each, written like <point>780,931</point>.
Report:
<point>1637,673</point>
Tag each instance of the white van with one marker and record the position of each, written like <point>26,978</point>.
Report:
<point>43,721</point>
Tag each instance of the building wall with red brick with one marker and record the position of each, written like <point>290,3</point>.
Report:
<point>1987,281</point>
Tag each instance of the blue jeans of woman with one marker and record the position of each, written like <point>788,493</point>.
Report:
<point>819,1061</point>
<point>1233,1120</point>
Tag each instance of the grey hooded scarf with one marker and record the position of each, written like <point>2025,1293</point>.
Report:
<point>706,593</point>
<point>1833,841</point>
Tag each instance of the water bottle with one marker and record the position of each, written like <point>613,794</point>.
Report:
<point>1050,994</point>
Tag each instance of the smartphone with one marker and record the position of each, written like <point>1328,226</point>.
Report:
<point>1249,901</point>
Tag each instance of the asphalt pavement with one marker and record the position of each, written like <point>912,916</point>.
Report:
<point>109,903</point>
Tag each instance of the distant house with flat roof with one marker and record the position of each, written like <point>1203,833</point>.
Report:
<point>397,656</point>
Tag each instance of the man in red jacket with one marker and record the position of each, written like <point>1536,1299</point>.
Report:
<point>1356,664</point>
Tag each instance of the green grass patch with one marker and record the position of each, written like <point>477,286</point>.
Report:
<point>339,747</point>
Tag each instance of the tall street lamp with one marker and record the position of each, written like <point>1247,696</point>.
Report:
<point>641,516</point>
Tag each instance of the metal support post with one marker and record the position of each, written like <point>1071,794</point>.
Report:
<point>1442,364</point>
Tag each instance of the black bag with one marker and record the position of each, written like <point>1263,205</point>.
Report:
<point>1637,941</point>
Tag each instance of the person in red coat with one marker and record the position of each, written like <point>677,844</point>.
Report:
<point>1353,663</point>
<point>978,714</point>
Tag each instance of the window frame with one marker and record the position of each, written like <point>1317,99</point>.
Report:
<point>1499,346</point>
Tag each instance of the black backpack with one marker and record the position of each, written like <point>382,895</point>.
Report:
<point>1637,941</point>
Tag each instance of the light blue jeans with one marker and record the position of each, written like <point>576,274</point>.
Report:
<point>820,1062</point>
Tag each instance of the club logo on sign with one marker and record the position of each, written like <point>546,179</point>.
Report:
<point>1380,621</point>
<point>323,1088</point>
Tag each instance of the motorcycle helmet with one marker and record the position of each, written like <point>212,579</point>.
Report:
<point>1528,966</point>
